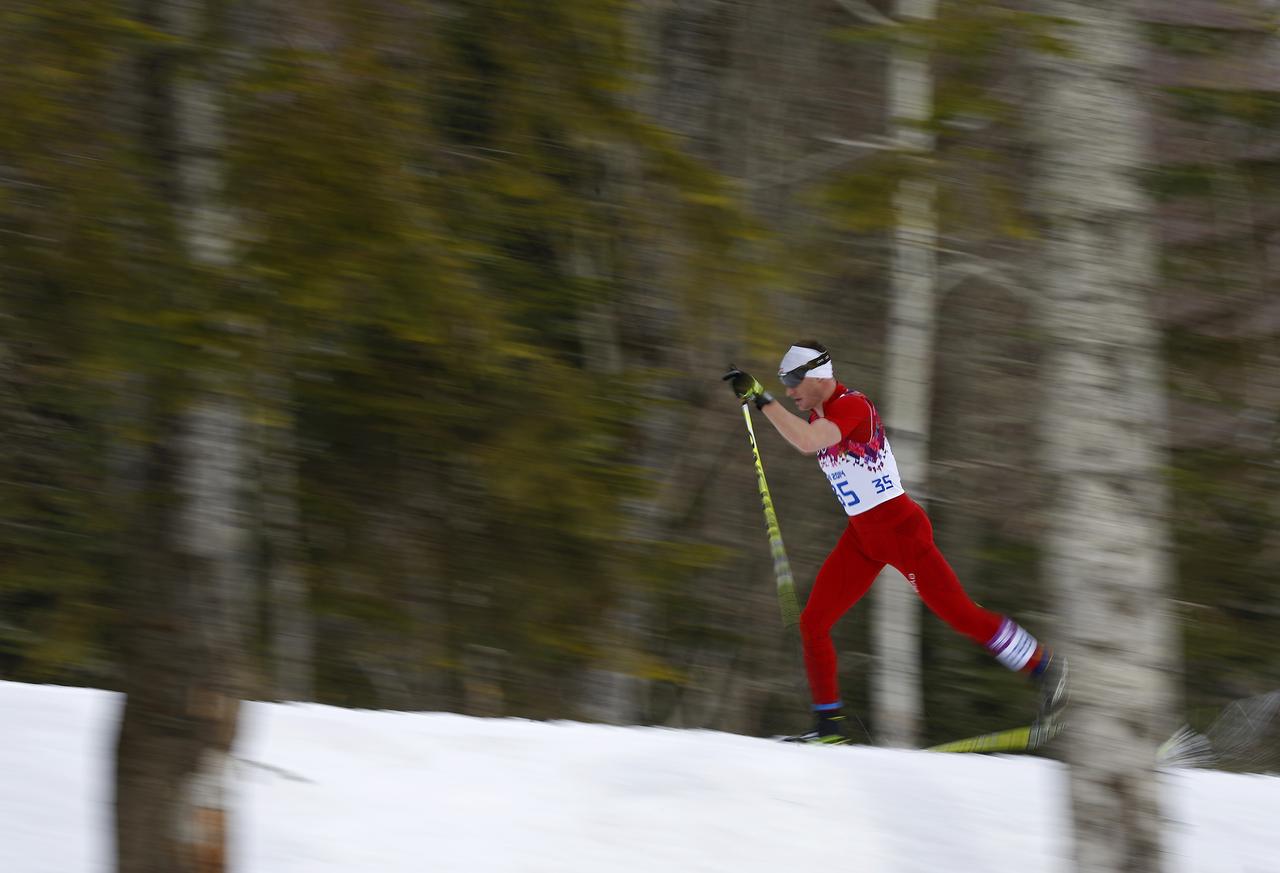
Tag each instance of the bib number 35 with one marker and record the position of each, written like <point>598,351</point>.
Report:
<point>845,493</point>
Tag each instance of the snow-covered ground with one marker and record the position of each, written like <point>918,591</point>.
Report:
<point>325,790</point>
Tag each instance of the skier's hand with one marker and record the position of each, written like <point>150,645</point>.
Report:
<point>745,387</point>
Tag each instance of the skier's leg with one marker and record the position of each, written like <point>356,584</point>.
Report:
<point>845,576</point>
<point>1012,645</point>
<point>917,557</point>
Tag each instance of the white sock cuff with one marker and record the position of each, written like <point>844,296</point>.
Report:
<point>1012,645</point>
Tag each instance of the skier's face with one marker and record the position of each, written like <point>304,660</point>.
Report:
<point>810,392</point>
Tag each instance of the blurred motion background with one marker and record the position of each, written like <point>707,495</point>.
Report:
<point>369,353</point>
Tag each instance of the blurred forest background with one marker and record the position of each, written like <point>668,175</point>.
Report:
<point>375,347</point>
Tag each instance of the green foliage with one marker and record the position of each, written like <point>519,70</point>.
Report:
<point>1225,518</point>
<point>431,205</point>
<point>861,200</point>
<point>969,47</point>
<point>1224,483</point>
<point>971,30</point>
<point>1258,109</point>
<point>1190,41</point>
<point>71,260</point>
<point>415,234</point>
<point>411,204</point>
<point>1183,180</point>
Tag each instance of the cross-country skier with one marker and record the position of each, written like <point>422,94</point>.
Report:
<point>885,527</point>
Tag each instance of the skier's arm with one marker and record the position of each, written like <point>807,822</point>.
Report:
<point>809,437</point>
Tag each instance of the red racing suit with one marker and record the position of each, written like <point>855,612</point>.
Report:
<point>885,527</point>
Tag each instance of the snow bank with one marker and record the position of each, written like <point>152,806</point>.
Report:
<point>324,790</point>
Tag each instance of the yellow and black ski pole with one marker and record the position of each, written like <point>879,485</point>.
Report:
<point>781,566</point>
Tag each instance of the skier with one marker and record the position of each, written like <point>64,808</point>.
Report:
<point>885,527</point>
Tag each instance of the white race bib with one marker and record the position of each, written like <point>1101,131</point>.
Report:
<point>862,475</point>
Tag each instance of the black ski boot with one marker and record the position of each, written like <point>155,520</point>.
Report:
<point>1052,679</point>
<point>829,731</point>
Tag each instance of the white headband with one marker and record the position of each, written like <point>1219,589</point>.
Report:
<point>798,356</point>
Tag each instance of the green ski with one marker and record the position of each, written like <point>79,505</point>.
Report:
<point>1019,739</point>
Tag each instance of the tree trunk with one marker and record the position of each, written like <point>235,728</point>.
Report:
<point>611,691</point>
<point>211,552</point>
<point>182,674</point>
<point>1104,434</point>
<point>677,86</point>
<point>897,693</point>
<point>292,629</point>
<point>181,669</point>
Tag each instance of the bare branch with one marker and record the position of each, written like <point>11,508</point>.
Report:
<point>877,143</point>
<point>1001,275</point>
<point>864,11</point>
<point>847,151</point>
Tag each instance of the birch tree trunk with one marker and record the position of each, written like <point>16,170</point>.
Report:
<point>1104,434</point>
<point>908,390</point>
<point>183,673</point>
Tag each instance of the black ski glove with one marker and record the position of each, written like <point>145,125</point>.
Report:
<point>747,388</point>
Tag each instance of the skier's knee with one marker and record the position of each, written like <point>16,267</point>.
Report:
<point>814,625</point>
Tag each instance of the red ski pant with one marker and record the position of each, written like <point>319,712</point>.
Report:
<point>897,533</point>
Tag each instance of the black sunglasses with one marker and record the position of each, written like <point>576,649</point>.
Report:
<point>792,378</point>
